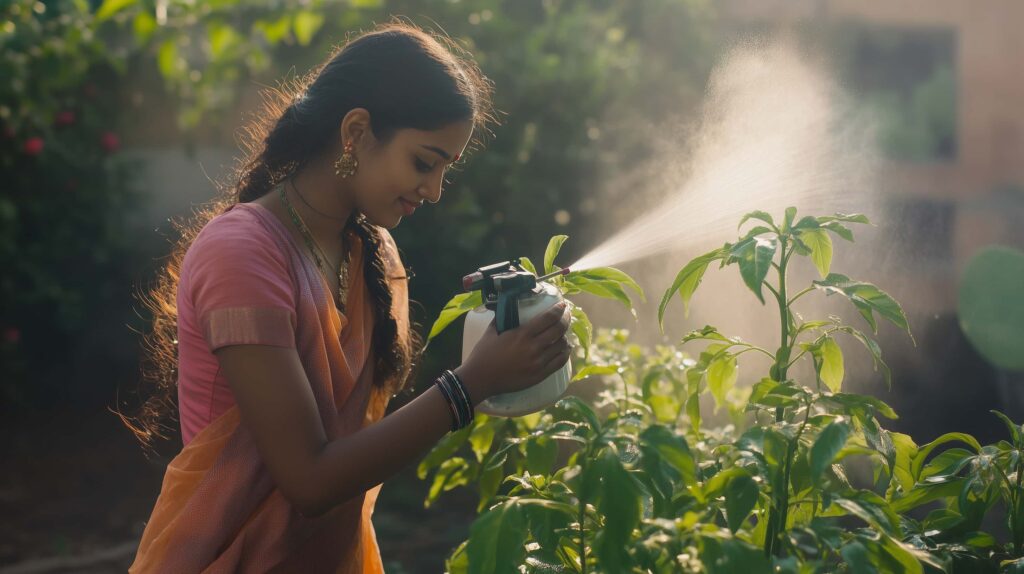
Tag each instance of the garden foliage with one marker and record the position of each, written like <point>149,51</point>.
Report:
<point>640,482</point>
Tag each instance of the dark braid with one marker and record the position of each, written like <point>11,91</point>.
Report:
<point>391,357</point>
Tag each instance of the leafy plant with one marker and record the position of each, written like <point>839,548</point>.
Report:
<point>649,487</point>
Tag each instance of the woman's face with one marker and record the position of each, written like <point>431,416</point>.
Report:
<point>394,178</point>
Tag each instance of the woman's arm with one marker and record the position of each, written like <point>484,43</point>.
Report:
<point>277,406</point>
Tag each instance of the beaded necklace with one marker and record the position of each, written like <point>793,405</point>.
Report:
<point>314,247</point>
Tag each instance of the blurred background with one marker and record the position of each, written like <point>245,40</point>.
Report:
<point>117,117</point>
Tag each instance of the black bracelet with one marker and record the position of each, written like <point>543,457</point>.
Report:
<point>464,403</point>
<point>465,392</point>
<point>451,403</point>
<point>458,399</point>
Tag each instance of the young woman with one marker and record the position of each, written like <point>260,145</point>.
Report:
<point>289,320</point>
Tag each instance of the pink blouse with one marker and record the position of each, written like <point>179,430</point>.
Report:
<point>232,268</point>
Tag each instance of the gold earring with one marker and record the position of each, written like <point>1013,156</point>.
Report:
<point>347,164</point>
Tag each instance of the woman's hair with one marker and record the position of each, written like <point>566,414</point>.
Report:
<point>406,78</point>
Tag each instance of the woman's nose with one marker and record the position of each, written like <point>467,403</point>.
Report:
<point>431,189</point>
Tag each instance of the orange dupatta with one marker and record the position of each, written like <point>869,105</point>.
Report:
<point>218,510</point>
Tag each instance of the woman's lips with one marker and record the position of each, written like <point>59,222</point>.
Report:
<point>407,206</point>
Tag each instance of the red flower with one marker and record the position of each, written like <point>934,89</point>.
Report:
<point>12,335</point>
<point>110,142</point>
<point>65,118</point>
<point>34,146</point>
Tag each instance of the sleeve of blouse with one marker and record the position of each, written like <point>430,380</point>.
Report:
<point>241,287</point>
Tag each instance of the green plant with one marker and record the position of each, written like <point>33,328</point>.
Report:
<point>647,485</point>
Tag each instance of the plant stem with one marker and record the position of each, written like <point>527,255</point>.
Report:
<point>779,510</point>
<point>583,545</point>
<point>801,294</point>
<point>782,356</point>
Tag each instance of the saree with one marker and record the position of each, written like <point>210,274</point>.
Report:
<point>218,510</point>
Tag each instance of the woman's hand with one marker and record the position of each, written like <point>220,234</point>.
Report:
<point>518,358</point>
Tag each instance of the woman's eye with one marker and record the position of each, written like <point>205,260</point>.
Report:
<point>423,166</point>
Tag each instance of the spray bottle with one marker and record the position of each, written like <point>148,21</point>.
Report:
<point>512,295</point>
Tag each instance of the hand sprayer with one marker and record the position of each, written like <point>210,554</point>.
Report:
<point>512,295</point>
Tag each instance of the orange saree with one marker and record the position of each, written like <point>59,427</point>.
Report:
<point>218,510</point>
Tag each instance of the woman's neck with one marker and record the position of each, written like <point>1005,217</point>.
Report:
<point>314,192</point>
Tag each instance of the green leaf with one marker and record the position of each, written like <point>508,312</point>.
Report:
<point>830,441</point>
<point>820,244</point>
<point>857,558</point>
<point>831,371</point>
<point>870,508</point>
<point>590,370</point>
<point>482,437</point>
<point>758,214</point>
<point>528,265</point>
<point>722,374</point>
<point>455,308</point>
<point>806,222</point>
<point>576,405</point>
<point>867,298</point>
<point>619,501</point>
<point>731,556</point>
<point>143,26</point>
<point>876,352</point>
<point>1015,429</point>
<point>451,473</point>
<point>840,230</point>
<point>554,246</point>
<point>673,449</point>
<point>924,451</point>
<point>167,58</point>
<point>111,7</point>
<point>497,540</point>
<point>755,257</point>
<point>740,498</point>
<point>583,329</point>
<point>603,288</point>
<point>488,484</point>
<point>852,218</point>
<point>787,221</point>
<point>540,455</point>
<point>222,37</point>
<point>306,25</point>
<point>275,31</point>
<point>611,274</point>
<point>686,282</point>
<point>444,450</point>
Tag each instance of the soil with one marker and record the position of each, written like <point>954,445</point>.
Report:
<point>77,489</point>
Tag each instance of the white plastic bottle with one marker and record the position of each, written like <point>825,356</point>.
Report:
<point>534,398</point>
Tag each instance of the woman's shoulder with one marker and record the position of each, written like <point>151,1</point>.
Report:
<point>239,233</point>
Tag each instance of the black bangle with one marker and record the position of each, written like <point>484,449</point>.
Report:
<point>457,400</point>
<point>464,403</point>
<point>451,403</point>
<point>465,392</point>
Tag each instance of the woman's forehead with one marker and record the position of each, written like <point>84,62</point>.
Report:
<point>447,142</point>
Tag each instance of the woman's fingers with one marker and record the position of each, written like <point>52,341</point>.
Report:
<point>559,359</point>
<point>555,330</point>
<point>548,318</point>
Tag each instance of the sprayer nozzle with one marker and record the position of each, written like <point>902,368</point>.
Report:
<point>554,274</point>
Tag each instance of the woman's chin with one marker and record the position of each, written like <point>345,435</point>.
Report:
<point>388,221</point>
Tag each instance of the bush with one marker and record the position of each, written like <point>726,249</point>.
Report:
<point>649,487</point>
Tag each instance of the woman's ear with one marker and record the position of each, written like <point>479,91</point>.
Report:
<point>355,128</point>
